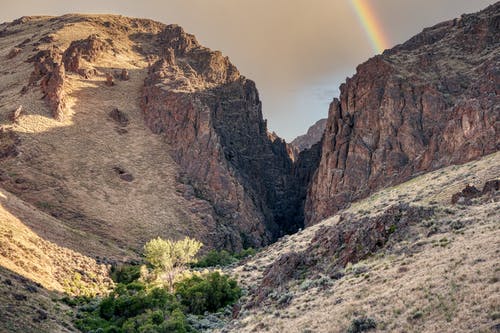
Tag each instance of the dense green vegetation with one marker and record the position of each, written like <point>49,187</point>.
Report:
<point>209,292</point>
<point>134,308</point>
<point>222,258</point>
<point>140,307</point>
<point>125,273</point>
<point>159,297</point>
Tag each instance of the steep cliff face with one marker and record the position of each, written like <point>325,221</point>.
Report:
<point>428,103</point>
<point>88,92</point>
<point>212,118</point>
<point>313,136</point>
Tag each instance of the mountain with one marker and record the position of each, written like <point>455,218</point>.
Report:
<point>428,103</point>
<point>126,129</point>
<point>313,135</point>
<point>117,130</point>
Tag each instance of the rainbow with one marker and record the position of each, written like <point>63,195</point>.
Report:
<point>371,25</point>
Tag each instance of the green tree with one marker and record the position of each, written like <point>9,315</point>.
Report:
<point>169,258</point>
<point>208,292</point>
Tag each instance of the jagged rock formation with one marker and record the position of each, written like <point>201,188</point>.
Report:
<point>231,183</point>
<point>313,136</point>
<point>428,103</point>
<point>89,49</point>
<point>51,72</point>
<point>348,241</point>
<point>212,117</point>
<point>53,87</point>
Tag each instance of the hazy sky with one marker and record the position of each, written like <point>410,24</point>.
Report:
<point>297,51</point>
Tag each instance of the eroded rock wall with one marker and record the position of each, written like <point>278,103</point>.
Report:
<point>428,103</point>
<point>212,117</point>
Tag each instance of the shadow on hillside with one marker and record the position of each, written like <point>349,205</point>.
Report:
<point>28,307</point>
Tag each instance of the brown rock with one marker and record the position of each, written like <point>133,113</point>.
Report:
<point>48,68</point>
<point>44,63</point>
<point>212,118</point>
<point>110,81</point>
<point>16,114</point>
<point>87,73</point>
<point>465,196</point>
<point>313,136</point>
<point>355,238</point>
<point>48,39</point>
<point>491,186</point>
<point>89,49</point>
<point>124,75</point>
<point>428,103</point>
<point>119,117</point>
<point>53,87</point>
<point>287,267</point>
<point>14,52</point>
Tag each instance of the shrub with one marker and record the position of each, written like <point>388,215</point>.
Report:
<point>208,292</point>
<point>125,273</point>
<point>215,258</point>
<point>362,324</point>
<point>135,308</point>
<point>223,258</point>
<point>245,253</point>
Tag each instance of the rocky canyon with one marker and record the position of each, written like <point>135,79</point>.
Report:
<point>116,130</point>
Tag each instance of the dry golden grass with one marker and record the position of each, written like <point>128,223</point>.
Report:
<point>442,282</point>
<point>62,203</point>
<point>24,252</point>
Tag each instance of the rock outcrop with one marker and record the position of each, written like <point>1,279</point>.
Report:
<point>471,192</point>
<point>49,69</point>
<point>428,103</point>
<point>313,136</point>
<point>354,239</point>
<point>89,49</point>
<point>53,87</point>
<point>212,118</point>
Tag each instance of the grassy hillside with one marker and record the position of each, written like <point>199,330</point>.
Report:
<point>440,275</point>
